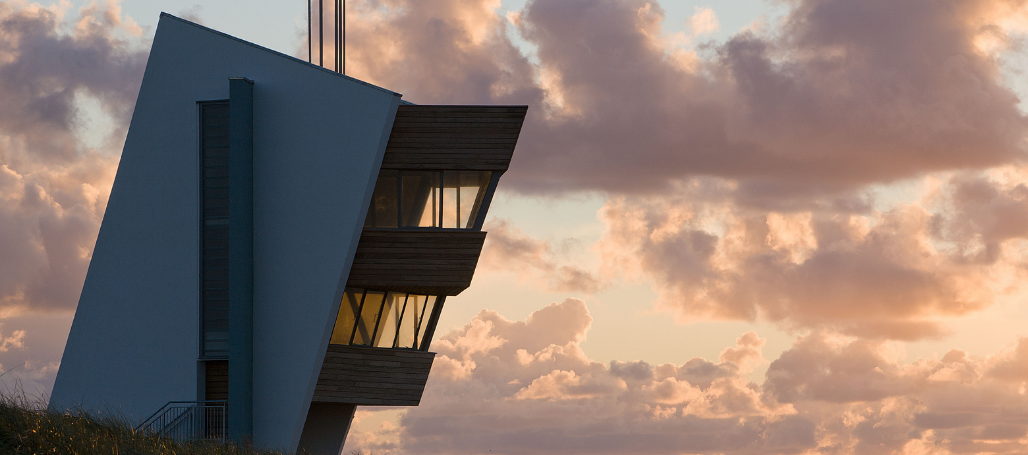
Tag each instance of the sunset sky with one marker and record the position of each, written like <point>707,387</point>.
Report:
<point>736,226</point>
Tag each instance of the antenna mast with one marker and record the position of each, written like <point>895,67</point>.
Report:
<point>339,30</point>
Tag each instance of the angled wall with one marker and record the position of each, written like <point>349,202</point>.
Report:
<point>318,142</point>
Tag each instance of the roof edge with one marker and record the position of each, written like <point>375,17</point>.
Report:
<point>272,51</point>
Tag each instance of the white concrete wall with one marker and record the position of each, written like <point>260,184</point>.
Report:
<point>318,143</point>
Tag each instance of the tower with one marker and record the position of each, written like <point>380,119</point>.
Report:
<point>278,245</point>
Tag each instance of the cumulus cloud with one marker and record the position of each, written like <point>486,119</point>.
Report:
<point>836,96</point>
<point>869,402</point>
<point>53,189</point>
<point>446,51</point>
<point>530,388</point>
<point>746,174</point>
<point>15,341</point>
<point>704,21</point>
<point>509,249</point>
<point>883,274</point>
<point>982,213</point>
<point>828,393</point>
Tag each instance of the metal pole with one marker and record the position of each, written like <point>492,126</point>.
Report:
<point>310,39</point>
<point>321,32</point>
<point>339,36</point>
<point>344,37</point>
<point>335,36</point>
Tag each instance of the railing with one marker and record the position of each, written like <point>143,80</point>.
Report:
<point>188,420</point>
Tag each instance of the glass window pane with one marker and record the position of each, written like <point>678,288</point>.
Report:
<point>390,317</point>
<point>369,316</point>
<point>451,198</point>
<point>426,318</point>
<point>472,191</point>
<point>420,198</point>
<point>383,209</point>
<point>347,315</point>
<point>409,323</point>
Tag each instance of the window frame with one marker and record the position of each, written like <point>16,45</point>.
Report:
<point>423,330</point>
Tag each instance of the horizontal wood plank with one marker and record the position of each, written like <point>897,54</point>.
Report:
<point>373,376</point>
<point>431,137</point>
<point>434,262</point>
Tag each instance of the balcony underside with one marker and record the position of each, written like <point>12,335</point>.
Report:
<point>454,137</point>
<point>431,262</point>
<point>373,376</point>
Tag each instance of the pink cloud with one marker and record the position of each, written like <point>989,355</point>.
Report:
<point>838,96</point>
<point>508,249</point>
<point>880,275</point>
<point>828,393</point>
<point>53,190</point>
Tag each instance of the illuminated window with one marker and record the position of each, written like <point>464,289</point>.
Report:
<point>386,319</point>
<point>428,199</point>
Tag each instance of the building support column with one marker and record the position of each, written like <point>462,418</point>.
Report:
<point>325,429</point>
<point>240,305</point>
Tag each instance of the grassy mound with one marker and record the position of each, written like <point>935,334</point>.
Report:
<point>28,428</point>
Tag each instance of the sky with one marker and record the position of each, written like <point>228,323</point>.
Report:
<point>794,226</point>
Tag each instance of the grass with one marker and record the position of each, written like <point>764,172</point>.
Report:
<point>26,427</point>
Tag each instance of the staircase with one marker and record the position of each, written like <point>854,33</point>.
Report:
<point>187,420</point>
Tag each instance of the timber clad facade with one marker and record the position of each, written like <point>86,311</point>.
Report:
<point>433,262</point>
<point>258,276</point>
<point>372,376</point>
<point>454,137</point>
<point>410,245</point>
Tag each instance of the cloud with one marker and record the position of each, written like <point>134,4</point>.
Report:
<point>53,190</point>
<point>447,51</point>
<point>982,213</point>
<point>192,14</point>
<point>898,273</point>
<point>836,96</point>
<point>509,249</point>
<point>531,389</point>
<point>15,341</point>
<point>828,393</point>
<point>704,21</point>
<point>876,404</point>
<point>746,175</point>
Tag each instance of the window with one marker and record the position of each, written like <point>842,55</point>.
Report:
<point>386,319</point>
<point>428,199</point>
<point>214,229</point>
<point>384,210</point>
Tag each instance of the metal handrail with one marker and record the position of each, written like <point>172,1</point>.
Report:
<point>187,420</point>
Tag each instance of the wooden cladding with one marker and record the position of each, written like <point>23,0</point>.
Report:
<point>373,376</point>
<point>215,380</point>
<point>454,137</point>
<point>431,262</point>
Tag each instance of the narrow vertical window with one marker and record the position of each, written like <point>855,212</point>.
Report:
<point>386,335</point>
<point>364,333</point>
<point>424,322</point>
<point>214,229</point>
<point>384,201</point>
<point>419,198</point>
<point>409,321</point>
<point>347,316</point>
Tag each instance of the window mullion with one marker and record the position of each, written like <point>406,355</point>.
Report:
<point>378,319</point>
<point>357,317</point>
<point>399,320</point>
